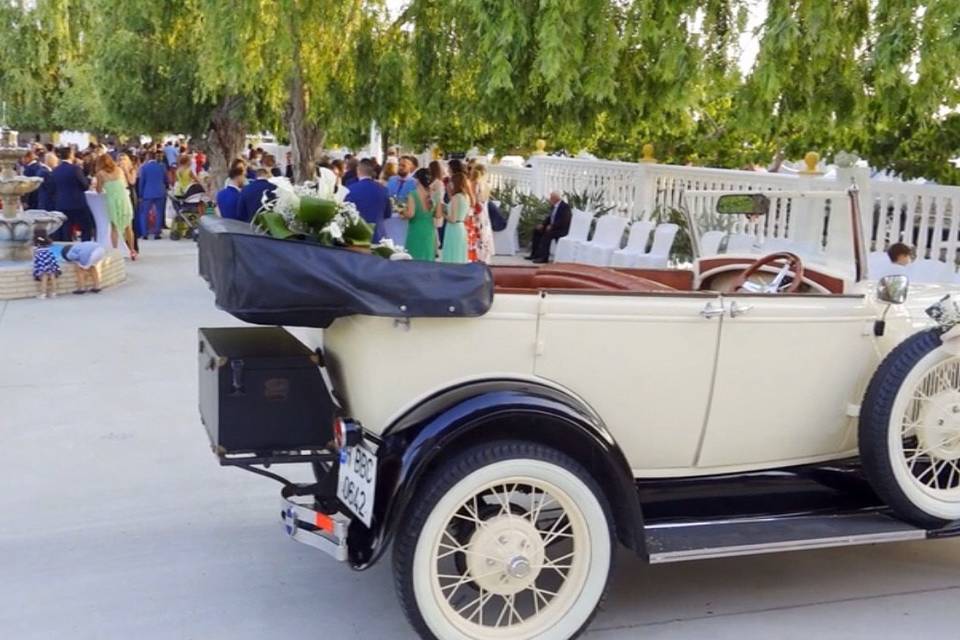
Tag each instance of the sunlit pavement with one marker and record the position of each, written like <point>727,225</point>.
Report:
<point>116,522</point>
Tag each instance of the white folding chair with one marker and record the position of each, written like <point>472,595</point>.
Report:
<point>566,249</point>
<point>879,265</point>
<point>741,243</point>
<point>930,271</point>
<point>710,242</point>
<point>395,228</point>
<point>606,239</point>
<point>636,245</point>
<point>659,252</point>
<point>505,243</point>
<point>774,245</point>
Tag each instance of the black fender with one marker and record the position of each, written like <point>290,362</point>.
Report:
<point>479,411</point>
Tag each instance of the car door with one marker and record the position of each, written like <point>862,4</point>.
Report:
<point>789,378</point>
<point>643,361</point>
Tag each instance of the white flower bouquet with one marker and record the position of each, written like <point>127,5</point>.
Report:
<point>317,212</point>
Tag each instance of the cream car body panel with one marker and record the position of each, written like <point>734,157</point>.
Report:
<point>623,355</point>
<point>787,369</point>
<point>382,366</point>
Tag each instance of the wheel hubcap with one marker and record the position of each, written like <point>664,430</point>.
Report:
<point>930,432</point>
<point>939,426</point>
<point>505,555</point>
<point>509,558</point>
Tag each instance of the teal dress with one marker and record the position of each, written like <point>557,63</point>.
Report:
<point>119,207</point>
<point>455,233</point>
<point>421,233</point>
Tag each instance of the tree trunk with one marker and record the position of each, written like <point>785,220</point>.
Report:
<point>306,138</point>
<point>384,144</point>
<point>225,138</point>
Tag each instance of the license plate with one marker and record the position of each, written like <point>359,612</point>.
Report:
<point>358,481</point>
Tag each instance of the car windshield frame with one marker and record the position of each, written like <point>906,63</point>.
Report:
<point>823,227</point>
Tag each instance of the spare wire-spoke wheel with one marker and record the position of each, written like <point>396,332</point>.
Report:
<point>910,431</point>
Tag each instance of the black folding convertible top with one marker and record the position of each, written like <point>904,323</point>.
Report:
<point>264,280</point>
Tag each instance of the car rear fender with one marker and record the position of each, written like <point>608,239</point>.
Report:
<point>479,411</point>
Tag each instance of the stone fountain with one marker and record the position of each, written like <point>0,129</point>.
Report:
<point>17,226</point>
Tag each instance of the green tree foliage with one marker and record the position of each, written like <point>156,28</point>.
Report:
<point>878,77</point>
<point>44,66</point>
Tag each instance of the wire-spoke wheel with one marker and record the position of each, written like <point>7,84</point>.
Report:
<point>511,541</point>
<point>910,431</point>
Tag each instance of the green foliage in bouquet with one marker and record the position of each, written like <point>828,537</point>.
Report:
<point>315,213</point>
<point>302,212</point>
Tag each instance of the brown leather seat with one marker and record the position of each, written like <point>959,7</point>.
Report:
<point>573,276</point>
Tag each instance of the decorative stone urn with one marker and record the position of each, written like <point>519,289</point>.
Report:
<point>16,226</point>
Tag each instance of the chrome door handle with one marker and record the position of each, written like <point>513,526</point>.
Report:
<point>710,311</point>
<point>739,309</point>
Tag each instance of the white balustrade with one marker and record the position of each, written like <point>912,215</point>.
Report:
<point>924,216</point>
<point>501,177</point>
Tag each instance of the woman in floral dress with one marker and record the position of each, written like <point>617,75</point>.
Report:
<point>484,230</point>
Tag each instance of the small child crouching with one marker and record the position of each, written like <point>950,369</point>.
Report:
<point>85,257</point>
<point>46,270</point>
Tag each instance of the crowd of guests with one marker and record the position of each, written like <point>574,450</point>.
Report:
<point>134,183</point>
<point>447,204</point>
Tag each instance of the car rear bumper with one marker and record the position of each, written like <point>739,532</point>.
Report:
<point>303,523</point>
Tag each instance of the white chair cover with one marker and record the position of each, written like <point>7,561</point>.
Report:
<point>506,243</point>
<point>710,242</point>
<point>395,228</point>
<point>741,243</point>
<point>606,239</point>
<point>566,249</point>
<point>659,253</point>
<point>636,245</point>
<point>930,272</point>
<point>777,244</point>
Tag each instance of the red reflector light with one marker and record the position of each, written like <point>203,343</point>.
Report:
<point>339,433</point>
<point>324,522</point>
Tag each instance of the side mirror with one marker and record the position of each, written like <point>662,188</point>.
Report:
<point>893,289</point>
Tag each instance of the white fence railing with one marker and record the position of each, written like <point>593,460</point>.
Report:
<point>924,216</point>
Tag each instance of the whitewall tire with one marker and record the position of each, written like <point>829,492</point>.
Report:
<point>910,431</point>
<point>511,540</point>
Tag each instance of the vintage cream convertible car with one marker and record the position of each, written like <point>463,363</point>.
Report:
<point>768,396</point>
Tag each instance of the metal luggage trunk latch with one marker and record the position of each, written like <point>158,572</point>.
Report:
<point>236,367</point>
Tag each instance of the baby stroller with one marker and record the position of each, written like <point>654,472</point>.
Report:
<point>189,207</point>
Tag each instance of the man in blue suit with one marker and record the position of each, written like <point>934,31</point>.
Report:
<point>402,185</point>
<point>69,185</point>
<point>152,191</point>
<point>251,197</point>
<point>31,169</point>
<point>228,198</point>
<point>370,197</point>
<point>47,193</point>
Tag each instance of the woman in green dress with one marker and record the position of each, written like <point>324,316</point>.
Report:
<point>455,234</point>
<point>112,182</point>
<point>421,232</point>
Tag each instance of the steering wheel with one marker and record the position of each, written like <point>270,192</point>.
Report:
<point>791,262</point>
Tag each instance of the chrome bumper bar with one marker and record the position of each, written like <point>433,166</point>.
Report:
<point>319,530</point>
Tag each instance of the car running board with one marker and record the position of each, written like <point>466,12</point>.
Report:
<point>680,541</point>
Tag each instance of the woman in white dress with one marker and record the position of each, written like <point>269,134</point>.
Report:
<point>485,248</point>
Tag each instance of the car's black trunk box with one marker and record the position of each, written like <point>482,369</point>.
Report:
<point>261,391</point>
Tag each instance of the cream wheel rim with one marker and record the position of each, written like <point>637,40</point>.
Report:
<point>926,439</point>
<point>510,559</point>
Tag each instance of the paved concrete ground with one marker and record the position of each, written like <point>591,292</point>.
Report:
<point>115,521</point>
